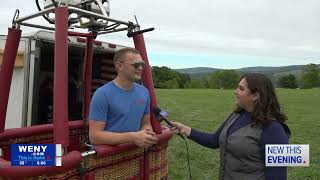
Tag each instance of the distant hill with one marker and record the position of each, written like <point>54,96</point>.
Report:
<point>197,70</point>
<point>272,72</point>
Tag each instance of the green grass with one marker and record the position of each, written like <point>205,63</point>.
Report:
<point>206,110</point>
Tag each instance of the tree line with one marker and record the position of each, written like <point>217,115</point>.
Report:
<point>167,78</point>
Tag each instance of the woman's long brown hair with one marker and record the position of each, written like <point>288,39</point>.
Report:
<point>267,107</point>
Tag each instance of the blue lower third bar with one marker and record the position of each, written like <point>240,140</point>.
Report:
<point>32,154</point>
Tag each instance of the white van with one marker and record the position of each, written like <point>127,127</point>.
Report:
<point>30,100</point>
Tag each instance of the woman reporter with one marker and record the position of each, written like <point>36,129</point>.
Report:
<point>256,121</point>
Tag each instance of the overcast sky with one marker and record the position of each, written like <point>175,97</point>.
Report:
<point>213,33</point>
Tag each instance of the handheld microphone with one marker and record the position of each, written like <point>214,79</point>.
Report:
<point>162,115</point>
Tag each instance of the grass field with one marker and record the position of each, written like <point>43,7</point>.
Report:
<point>206,109</point>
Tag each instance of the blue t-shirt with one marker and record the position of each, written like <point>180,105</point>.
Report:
<point>122,110</point>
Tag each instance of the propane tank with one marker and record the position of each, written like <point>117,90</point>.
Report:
<point>94,5</point>
<point>101,7</point>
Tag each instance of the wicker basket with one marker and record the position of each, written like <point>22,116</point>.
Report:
<point>78,136</point>
<point>125,165</point>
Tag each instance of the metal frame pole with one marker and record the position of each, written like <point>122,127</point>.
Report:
<point>60,89</point>
<point>148,83</point>
<point>87,76</point>
<point>147,79</point>
<point>6,71</point>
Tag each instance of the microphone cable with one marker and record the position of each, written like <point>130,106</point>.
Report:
<point>188,158</point>
<point>162,116</point>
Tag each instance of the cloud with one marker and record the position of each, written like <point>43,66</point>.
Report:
<point>287,29</point>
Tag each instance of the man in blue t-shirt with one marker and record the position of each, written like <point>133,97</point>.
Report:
<point>120,109</point>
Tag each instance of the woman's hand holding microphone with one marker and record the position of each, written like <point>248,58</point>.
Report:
<point>180,128</point>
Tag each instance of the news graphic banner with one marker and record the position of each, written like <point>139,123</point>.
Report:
<point>36,154</point>
<point>287,155</point>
